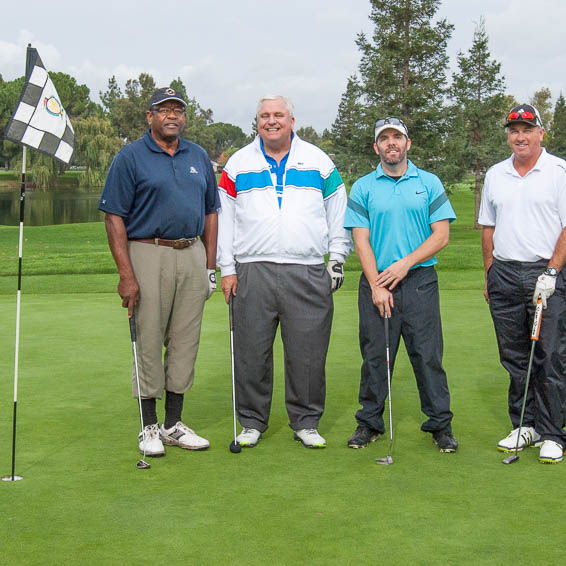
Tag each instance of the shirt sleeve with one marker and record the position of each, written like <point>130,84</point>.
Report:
<point>119,190</point>
<point>211,199</point>
<point>439,207</point>
<point>335,198</point>
<point>487,214</point>
<point>357,215</point>
<point>225,253</point>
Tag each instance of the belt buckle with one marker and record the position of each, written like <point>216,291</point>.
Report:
<point>183,243</point>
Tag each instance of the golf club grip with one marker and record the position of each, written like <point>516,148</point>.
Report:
<point>386,328</point>
<point>230,312</point>
<point>537,320</point>
<point>133,328</point>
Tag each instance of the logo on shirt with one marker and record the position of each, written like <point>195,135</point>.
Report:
<point>193,170</point>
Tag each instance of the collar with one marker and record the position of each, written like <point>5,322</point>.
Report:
<point>152,145</point>
<point>410,172</point>
<point>263,149</point>
<point>536,167</point>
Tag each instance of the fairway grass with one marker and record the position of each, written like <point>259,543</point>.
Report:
<point>82,500</point>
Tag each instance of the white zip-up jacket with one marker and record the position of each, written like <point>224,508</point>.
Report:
<point>309,223</point>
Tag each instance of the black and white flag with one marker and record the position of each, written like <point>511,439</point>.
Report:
<point>40,121</point>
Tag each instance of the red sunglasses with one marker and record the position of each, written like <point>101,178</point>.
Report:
<point>513,116</point>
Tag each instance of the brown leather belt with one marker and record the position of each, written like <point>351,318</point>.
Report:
<point>179,244</point>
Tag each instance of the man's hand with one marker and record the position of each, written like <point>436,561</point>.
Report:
<point>229,285</point>
<point>129,290</point>
<point>211,274</point>
<point>544,288</point>
<point>382,299</point>
<point>393,275</point>
<point>336,272</point>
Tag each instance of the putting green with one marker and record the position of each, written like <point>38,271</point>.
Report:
<point>82,500</point>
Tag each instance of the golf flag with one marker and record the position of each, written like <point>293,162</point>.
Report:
<point>40,121</point>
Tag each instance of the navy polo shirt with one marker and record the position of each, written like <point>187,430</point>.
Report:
<point>160,195</point>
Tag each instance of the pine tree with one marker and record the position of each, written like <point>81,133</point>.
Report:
<point>402,73</point>
<point>476,139</point>
<point>557,144</point>
<point>542,101</point>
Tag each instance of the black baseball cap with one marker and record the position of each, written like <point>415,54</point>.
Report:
<point>165,94</point>
<point>523,113</point>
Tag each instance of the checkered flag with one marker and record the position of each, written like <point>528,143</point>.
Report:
<point>40,121</point>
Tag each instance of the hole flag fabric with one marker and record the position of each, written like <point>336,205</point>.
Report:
<point>40,121</point>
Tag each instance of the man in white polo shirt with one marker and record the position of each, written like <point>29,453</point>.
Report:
<point>523,213</point>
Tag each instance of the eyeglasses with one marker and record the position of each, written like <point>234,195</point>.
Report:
<point>392,121</point>
<point>514,116</point>
<point>163,112</point>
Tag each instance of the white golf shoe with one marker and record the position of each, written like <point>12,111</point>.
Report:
<point>310,438</point>
<point>550,452</point>
<point>150,438</point>
<point>248,438</point>
<point>529,436</point>
<point>183,436</point>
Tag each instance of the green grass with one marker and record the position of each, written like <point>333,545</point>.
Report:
<point>82,501</point>
<point>73,249</point>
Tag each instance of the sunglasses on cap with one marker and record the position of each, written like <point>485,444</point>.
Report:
<point>514,116</point>
<point>389,121</point>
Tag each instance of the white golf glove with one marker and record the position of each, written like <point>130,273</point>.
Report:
<point>211,275</point>
<point>545,288</point>
<point>336,272</point>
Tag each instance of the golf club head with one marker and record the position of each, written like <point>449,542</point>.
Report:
<point>235,448</point>
<point>387,461</point>
<point>511,459</point>
<point>142,465</point>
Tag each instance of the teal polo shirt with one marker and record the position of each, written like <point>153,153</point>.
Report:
<point>397,213</point>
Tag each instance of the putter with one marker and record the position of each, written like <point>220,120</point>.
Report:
<point>142,464</point>
<point>235,448</point>
<point>388,460</point>
<point>534,338</point>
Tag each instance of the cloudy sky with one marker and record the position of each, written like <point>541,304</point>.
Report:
<point>230,52</point>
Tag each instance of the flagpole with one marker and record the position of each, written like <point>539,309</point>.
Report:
<point>13,476</point>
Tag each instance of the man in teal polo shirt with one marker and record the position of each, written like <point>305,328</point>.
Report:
<point>400,217</point>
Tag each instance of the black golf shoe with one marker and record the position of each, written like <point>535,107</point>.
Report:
<point>362,437</point>
<point>444,440</point>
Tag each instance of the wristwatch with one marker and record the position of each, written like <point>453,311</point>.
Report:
<point>552,271</point>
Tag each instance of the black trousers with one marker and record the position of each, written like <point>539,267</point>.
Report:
<point>510,285</point>
<point>416,318</point>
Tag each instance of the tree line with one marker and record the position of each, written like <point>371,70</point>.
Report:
<point>455,122</point>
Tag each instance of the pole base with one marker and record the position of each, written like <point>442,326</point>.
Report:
<point>12,478</point>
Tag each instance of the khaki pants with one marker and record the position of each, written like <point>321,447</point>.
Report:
<point>173,290</point>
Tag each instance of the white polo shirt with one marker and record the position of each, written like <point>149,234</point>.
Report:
<point>528,212</point>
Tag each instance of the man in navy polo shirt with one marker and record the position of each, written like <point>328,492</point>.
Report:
<point>160,202</point>
<point>400,218</point>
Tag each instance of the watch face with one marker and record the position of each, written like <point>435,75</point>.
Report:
<point>552,271</point>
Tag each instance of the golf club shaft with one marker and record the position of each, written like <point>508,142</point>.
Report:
<point>231,317</point>
<point>386,330</point>
<point>535,332</point>
<point>134,350</point>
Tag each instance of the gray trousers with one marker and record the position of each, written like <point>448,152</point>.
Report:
<point>511,285</point>
<point>416,318</point>
<point>299,298</point>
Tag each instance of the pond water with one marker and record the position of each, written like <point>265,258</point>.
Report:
<point>57,206</point>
